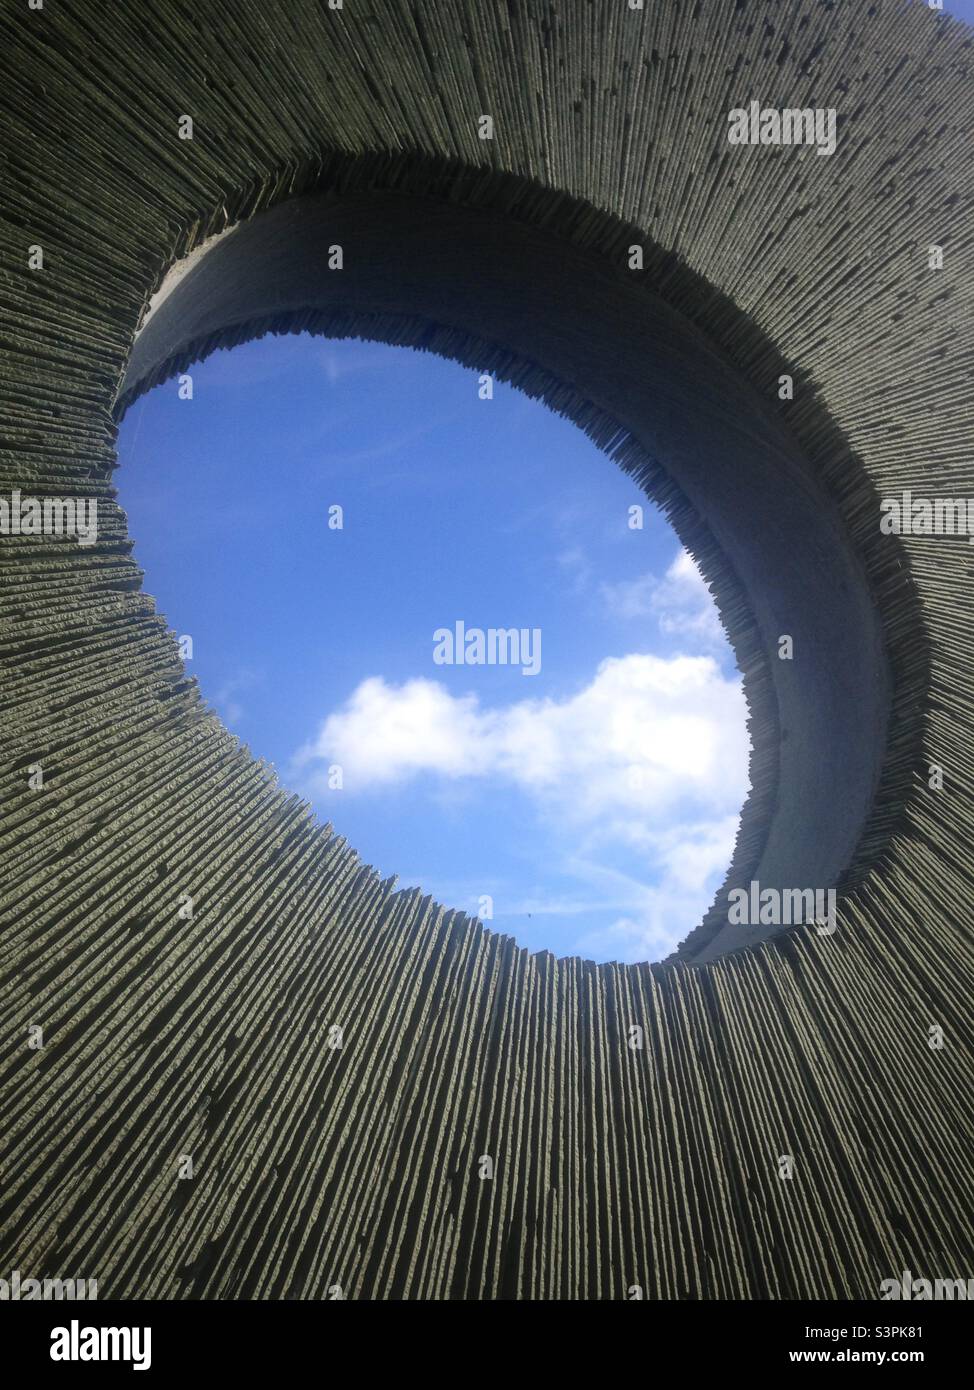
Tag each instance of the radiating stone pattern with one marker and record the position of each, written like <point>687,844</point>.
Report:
<point>358,1167</point>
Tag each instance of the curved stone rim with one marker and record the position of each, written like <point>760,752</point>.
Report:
<point>249,280</point>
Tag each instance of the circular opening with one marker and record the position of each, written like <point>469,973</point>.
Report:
<point>599,346</point>
<point>452,625</point>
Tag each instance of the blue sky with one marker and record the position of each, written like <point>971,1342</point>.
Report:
<point>594,802</point>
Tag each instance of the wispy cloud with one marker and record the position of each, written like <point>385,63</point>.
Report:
<point>680,601</point>
<point>687,861</point>
<point>226,698</point>
<point>576,568</point>
<point>637,918</point>
<point>350,359</point>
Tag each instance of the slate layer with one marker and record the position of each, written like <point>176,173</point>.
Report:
<point>163,1037</point>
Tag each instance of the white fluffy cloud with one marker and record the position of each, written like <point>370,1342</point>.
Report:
<point>646,735</point>
<point>649,757</point>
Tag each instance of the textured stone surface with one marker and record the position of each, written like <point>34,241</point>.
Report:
<point>208,1037</point>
